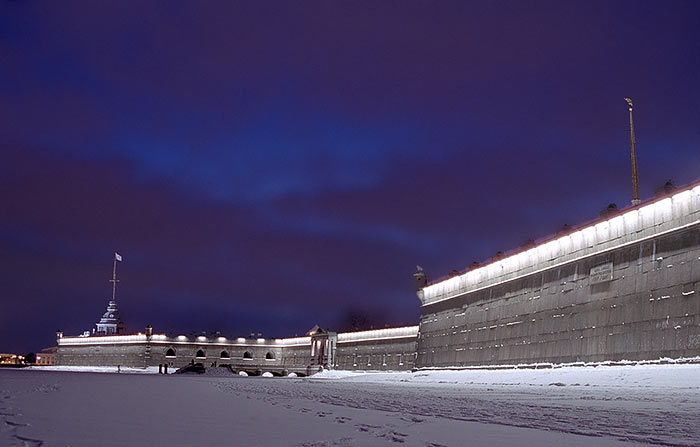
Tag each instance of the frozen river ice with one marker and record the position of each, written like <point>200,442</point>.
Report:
<point>604,406</point>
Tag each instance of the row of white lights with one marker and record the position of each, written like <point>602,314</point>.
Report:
<point>623,225</point>
<point>376,334</point>
<point>138,338</point>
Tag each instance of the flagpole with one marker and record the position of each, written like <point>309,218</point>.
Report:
<point>114,279</point>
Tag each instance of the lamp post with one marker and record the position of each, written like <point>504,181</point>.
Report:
<point>635,179</point>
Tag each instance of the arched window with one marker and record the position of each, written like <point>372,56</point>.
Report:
<point>224,355</point>
<point>247,355</point>
<point>170,352</point>
<point>269,356</point>
<point>200,354</point>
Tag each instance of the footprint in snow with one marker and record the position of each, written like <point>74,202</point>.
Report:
<point>366,427</point>
<point>29,442</point>
<point>381,432</point>
<point>394,436</point>
<point>412,418</point>
<point>342,442</point>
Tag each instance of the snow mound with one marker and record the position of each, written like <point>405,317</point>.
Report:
<point>338,374</point>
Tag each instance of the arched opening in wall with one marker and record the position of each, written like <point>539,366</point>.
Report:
<point>200,354</point>
<point>269,356</point>
<point>170,353</point>
<point>247,355</point>
<point>224,355</point>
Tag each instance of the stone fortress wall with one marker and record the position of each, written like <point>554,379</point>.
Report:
<point>383,349</point>
<point>391,349</point>
<point>624,287</point>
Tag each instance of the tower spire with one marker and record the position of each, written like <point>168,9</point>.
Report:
<point>635,179</point>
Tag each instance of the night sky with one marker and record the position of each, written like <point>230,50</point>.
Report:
<point>266,166</point>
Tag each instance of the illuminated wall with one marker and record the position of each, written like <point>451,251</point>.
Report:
<point>382,349</point>
<point>619,288</point>
<point>254,356</point>
<point>392,349</point>
<point>642,223</point>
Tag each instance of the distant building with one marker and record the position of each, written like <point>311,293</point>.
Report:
<point>11,359</point>
<point>47,356</point>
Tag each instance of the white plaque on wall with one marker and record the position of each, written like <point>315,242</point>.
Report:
<point>602,273</point>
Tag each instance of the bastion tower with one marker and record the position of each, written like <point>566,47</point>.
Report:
<point>110,323</point>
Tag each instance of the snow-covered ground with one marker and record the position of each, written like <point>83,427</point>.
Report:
<point>100,369</point>
<point>603,406</point>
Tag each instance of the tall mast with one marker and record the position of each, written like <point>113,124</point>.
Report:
<point>635,179</point>
<point>114,279</point>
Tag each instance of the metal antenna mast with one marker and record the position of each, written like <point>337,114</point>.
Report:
<point>635,179</point>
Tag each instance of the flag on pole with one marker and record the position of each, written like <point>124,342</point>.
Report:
<point>117,256</point>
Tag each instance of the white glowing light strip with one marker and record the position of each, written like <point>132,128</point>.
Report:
<point>631,224</point>
<point>568,261</point>
<point>109,339</point>
<point>157,339</point>
<point>295,341</point>
<point>379,334</point>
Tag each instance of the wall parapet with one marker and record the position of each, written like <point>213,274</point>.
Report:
<point>651,219</point>
<point>378,334</point>
<point>344,337</point>
<point>181,340</point>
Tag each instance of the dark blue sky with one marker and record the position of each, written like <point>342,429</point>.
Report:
<point>268,166</point>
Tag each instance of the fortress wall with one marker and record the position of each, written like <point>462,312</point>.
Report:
<point>128,355</point>
<point>392,349</point>
<point>653,218</point>
<point>140,351</point>
<point>383,349</point>
<point>296,358</point>
<point>217,354</point>
<point>381,355</point>
<point>649,309</point>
